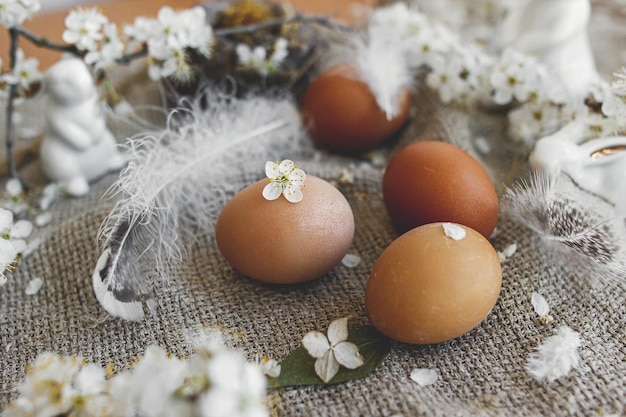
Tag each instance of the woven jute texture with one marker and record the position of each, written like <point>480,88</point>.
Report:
<point>481,373</point>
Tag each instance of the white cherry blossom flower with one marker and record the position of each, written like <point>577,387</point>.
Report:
<point>333,350</point>
<point>26,72</point>
<point>84,28</point>
<point>111,48</point>
<point>514,77</point>
<point>285,178</point>
<point>12,241</point>
<point>14,12</point>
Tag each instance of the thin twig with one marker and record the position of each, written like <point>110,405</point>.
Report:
<point>13,34</point>
<point>45,43</point>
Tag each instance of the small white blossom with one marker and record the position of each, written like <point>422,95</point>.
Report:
<point>256,58</point>
<point>12,241</point>
<point>26,72</point>
<point>50,194</point>
<point>333,350</point>
<point>111,48</point>
<point>454,231</point>
<point>84,28</point>
<point>285,178</point>
<point>33,287</point>
<point>424,376</point>
<point>14,12</point>
<point>168,37</point>
<point>514,77</point>
<point>556,356</point>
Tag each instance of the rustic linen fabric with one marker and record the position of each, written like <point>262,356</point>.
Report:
<point>481,373</point>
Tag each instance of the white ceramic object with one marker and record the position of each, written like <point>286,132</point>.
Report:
<point>597,165</point>
<point>555,31</point>
<point>77,147</point>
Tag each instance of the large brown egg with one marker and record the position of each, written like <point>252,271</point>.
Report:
<point>431,181</point>
<point>281,242</point>
<point>341,112</point>
<point>427,287</point>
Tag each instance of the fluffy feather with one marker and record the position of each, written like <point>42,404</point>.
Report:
<point>381,58</point>
<point>556,356</point>
<point>585,230</point>
<point>175,185</point>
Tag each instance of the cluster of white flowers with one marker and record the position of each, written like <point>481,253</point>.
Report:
<point>256,58</point>
<point>14,12</point>
<point>214,382</point>
<point>168,37</point>
<point>463,71</point>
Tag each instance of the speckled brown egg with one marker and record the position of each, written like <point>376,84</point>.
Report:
<point>432,181</point>
<point>428,287</point>
<point>341,113</point>
<point>285,243</point>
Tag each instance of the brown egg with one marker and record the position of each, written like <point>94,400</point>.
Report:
<point>427,287</point>
<point>430,181</point>
<point>282,242</point>
<point>341,112</point>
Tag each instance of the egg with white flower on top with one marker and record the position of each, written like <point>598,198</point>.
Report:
<point>287,229</point>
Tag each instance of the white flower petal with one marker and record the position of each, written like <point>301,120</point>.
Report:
<point>271,170</point>
<point>338,331</point>
<point>272,191</point>
<point>286,166</point>
<point>33,287</point>
<point>315,343</point>
<point>347,354</point>
<point>351,260</point>
<point>297,177</point>
<point>424,376</point>
<point>6,218</point>
<point>293,194</point>
<point>454,231</point>
<point>327,366</point>
<point>21,229</point>
<point>540,304</point>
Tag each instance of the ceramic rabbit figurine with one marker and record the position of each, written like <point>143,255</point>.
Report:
<point>597,165</point>
<point>77,147</point>
<point>555,31</point>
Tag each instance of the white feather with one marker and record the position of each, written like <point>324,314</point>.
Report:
<point>177,182</point>
<point>584,231</point>
<point>556,356</point>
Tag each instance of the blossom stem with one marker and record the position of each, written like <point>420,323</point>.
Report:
<point>13,34</point>
<point>45,43</point>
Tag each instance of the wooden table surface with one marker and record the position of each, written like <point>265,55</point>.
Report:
<point>51,25</point>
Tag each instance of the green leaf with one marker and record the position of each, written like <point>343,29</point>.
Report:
<point>298,368</point>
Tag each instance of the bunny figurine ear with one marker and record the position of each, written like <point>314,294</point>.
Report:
<point>77,147</point>
<point>556,33</point>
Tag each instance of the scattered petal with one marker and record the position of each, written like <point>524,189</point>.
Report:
<point>327,366</point>
<point>539,304</point>
<point>347,354</point>
<point>507,252</point>
<point>270,367</point>
<point>556,356</point>
<point>43,219</point>
<point>482,145</point>
<point>33,287</point>
<point>351,260</point>
<point>338,331</point>
<point>454,231</point>
<point>315,343</point>
<point>424,376</point>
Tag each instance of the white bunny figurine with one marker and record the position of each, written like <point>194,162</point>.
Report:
<point>555,31</point>
<point>77,147</point>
